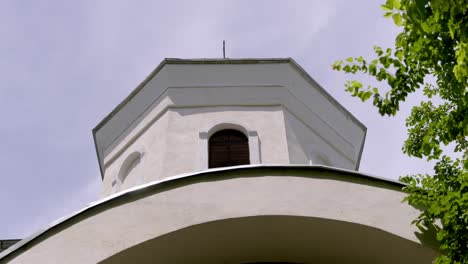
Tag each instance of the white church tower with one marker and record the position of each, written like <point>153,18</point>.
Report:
<point>192,115</point>
<point>235,161</point>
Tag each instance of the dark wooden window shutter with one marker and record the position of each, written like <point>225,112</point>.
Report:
<point>228,148</point>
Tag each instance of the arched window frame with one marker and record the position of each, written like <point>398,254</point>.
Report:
<point>252,136</point>
<point>223,144</point>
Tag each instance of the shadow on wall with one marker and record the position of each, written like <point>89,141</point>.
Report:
<point>320,159</point>
<point>427,235</point>
<point>276,239</point>
<point>127,168</point>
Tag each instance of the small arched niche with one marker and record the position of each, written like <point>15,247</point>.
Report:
<point>128,166</point>
<point>228,147</point>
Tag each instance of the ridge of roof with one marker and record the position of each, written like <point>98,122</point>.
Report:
<point>227,60</point>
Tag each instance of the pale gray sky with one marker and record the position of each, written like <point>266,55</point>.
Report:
<point>64,65</point>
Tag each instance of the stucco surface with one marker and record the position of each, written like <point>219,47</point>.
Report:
<point>228,85</point>
<point>173,145</point>
<point>173,142</point>
<point>161,208</point>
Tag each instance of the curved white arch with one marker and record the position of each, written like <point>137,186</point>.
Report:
<point>223,126</point>
<point>275,239</point>
<point>152,211</point>
<point>128,165</point>
<point>129,168</point>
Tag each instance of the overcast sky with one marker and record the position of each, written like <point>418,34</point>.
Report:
<point>64,65</point>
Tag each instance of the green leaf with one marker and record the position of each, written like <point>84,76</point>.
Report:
<point>386,8</point>
<point>388,14</point>
<point>399,54</point>
<point>397,19</point>
<point>356,84</point>
<point>389,4</point>
<point>365,96</point>
<point>350,59</point>
<point>400,40</point>
<point>337,65</point>
<point>426,27</point>
<point>372,69</point>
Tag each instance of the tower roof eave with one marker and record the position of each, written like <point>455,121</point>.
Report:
<point>206,61</point>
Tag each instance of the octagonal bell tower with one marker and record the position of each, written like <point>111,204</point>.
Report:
<point>194,115</point>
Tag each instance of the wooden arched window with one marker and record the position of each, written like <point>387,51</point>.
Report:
<point>228,148</point>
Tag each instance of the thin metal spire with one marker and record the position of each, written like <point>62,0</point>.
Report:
<point>224,49</point>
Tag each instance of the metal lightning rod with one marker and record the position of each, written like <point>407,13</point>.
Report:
<point>224,49</point>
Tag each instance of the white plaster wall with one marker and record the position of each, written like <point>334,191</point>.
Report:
<point>185,124</point>
<point>304,98</point>
<point>152,146</point>
<point>172,144</point>
<point>222,195</point>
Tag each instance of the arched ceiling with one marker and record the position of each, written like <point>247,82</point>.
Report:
<point>276,239</point>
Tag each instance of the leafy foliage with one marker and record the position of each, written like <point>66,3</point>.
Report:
<point>445,198</point>
<point>433,45</point>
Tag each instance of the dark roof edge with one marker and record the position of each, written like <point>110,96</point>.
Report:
<point>126,99</point>
<point>150,186</point>
<point>228,61</point>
